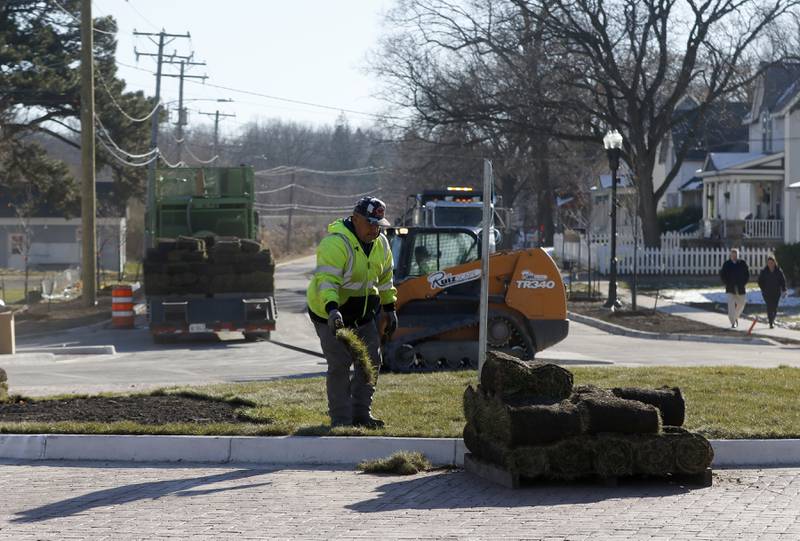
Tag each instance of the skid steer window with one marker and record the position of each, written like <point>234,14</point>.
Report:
<point>436,251</point>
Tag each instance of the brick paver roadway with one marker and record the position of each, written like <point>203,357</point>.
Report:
<point>83,500</point>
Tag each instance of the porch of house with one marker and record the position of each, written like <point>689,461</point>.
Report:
<point>744,208</point>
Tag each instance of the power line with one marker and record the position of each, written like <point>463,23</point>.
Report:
<point>262,192</point>
<point>145,19</point>
<point>170,165</point>
<point>117,105</point>
<point>283,170</point>
<point>104,131</point>
<point>190,153</point>
<point>123,160</point>
<point>321,194</point>
<point>300,102</point>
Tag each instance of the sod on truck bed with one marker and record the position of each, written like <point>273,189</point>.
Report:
<point>721,402</point>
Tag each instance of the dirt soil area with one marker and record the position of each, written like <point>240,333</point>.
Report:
<point>150,410</point>
<point>645,320</point>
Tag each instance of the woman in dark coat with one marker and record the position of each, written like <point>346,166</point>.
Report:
<point>773,286</point>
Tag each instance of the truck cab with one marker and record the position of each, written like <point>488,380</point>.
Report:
<point>456,206</point>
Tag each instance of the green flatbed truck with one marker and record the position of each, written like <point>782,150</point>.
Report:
<point>207,271</point>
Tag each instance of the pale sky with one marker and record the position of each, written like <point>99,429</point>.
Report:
<point>308,50</point>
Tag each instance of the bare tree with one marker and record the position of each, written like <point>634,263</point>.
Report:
<point>481,66</point>
<point>630,62</point>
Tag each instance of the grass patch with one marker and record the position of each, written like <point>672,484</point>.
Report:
<point>400,463</point>
<point>721,402</point>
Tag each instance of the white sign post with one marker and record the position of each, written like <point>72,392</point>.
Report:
<point>488,219</point>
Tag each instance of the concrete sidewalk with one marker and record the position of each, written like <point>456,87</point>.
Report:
<point>121,501</point>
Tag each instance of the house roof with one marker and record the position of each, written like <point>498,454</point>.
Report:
<point>780,85</point>
<point>107,205</point>
<point>717,161</point>
<point>623,181</point>
<point>720,129</point>
<point>694,183</point>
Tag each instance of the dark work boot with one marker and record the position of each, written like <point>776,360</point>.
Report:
<point>368,422</point>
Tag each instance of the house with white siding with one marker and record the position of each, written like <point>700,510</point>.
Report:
<point>755,195</point>
<point>51,240</point>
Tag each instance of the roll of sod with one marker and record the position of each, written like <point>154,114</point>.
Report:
<point>653,454</point>
<point>250,246</point>
<point>529,462</point>
<point>693,453</point>
<point>580,390</point>
<point>613,455</point>
<point>514,426</point>
<point>668,400</point>
<point>511,378</point>
<point>607,413</point>
<point>571,459</point>
<point>484,447</point>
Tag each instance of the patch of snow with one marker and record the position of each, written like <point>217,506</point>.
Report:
<point>718,295</point>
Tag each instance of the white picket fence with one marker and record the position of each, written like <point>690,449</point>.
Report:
<point>670,258</point>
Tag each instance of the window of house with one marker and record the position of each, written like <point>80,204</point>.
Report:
<point>17,242</point>
<point>766,132</point>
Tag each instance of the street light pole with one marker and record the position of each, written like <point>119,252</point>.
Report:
<point>613,145</point>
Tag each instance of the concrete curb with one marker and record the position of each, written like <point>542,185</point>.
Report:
<point>624,331</point>
<point>72,350</point>
<point>307,450</point>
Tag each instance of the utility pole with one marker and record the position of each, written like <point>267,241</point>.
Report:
<point>150,215</point>
<point>216,128</point>
<point>291,215</point>
<point>88,200</point>
<point>184,61</point>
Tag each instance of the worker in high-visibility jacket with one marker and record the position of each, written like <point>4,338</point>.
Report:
<point>351,282</point>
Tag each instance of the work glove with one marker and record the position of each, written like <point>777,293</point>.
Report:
<point>391,323</point>
<point>335,321</point>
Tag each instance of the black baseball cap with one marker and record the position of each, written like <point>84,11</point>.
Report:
<point>373,209</point>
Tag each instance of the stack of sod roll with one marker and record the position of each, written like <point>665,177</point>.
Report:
<point>208,266</point>
<point>527,418</point>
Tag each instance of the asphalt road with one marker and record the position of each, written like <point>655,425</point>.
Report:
<point>139,364</point>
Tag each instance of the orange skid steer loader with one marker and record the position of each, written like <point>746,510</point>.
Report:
<point>438,277</point>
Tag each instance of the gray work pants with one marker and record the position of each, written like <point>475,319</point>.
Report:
<point>349,396</point>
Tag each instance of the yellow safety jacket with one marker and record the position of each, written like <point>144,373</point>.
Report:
<point>345,273</point>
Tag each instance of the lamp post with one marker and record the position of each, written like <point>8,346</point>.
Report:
<point>613,145</point>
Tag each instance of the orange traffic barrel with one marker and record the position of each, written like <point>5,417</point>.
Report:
<point>122,314</point>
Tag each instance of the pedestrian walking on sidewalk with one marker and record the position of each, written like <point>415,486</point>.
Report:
<point>352,281</point>
<point>773,286</point>
<point>735,274</point>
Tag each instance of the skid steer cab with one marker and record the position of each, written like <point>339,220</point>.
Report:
<point>438,277</point>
